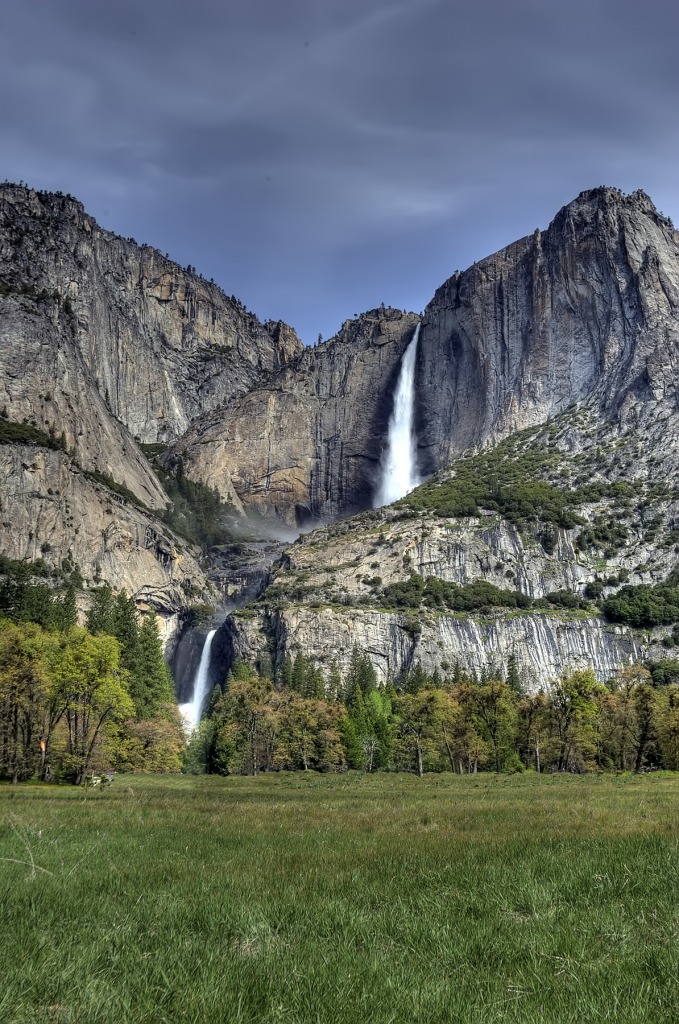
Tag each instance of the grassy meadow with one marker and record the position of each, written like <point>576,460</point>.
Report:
<point>343,899</point>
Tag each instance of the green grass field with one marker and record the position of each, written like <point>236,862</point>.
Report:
<point>343,899</point>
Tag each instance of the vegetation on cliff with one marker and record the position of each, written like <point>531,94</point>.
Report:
<point>196,511</point>
<point>510,479</point>
<point>646,606</point>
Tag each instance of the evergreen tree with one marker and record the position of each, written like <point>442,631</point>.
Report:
<point>361,673</point>
<point>298,674</point>
<point>151,684</point>
<point>314,687</point>
<point>335,686</point>
<point>286,673</point>
<point>513,675</point>
<point>100,617</point>
<point>64,613</point>
<point>416,680</point>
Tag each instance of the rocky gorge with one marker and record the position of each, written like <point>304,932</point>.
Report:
<point>545,415</point>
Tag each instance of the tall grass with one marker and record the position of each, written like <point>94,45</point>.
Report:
<point>344,899</point>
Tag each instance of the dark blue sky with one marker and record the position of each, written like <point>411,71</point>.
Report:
<point>318,157</point>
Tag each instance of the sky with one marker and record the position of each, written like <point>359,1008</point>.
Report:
<point>319,157</point>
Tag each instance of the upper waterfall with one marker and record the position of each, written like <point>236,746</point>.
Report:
<point>398,467</point>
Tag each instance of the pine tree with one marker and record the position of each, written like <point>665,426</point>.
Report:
<point>416,680</point>
<point>313,687</point>
<point>299,672</point>
<point>286,673</point>
<point>100,617</point>
<point>335,686</point>
<point>151,686</point>
<point>513,674</point>
<point>361,673</point>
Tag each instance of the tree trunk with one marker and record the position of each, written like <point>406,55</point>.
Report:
<point>449,751</point>
<point>641,747</point>
<point>15,744</point>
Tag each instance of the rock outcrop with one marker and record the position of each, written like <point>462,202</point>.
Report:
<point>586,311</point>
<point>109,343</point>
<point>103,344</point>
<point>357,580</point>
<point>543,645</point>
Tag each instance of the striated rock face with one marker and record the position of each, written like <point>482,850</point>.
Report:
<point>44,380</point>
<point>587,310</point>
<point>112,331</point>
<point>346,583</point>
<point>104,343</point>
<point>307,443</point>
<point>543,645</point>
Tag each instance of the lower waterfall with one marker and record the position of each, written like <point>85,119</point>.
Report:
<point>398,468</point>
<point>193,709</point>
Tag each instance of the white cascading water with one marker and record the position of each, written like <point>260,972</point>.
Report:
<point>398,469</point>
<point>192,710</point>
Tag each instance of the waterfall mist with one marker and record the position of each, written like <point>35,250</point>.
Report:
<point>398,467</point>
<point>193,709</point>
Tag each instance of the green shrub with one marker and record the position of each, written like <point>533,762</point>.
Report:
<point>645,606</point>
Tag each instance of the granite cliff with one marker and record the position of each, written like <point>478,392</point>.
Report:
<point>585,311</point>
<point>546,390</point>
<point>513,552</point>
<point>158,343</point>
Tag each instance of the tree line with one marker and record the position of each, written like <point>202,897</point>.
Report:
<point>459,723</point>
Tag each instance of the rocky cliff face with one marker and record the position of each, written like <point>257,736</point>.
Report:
<point>543,645</point>
<point>586,310</point>
<point>573,332</point>
<point>339,585</point>
<point>115,333</point>
<point>306,444</point>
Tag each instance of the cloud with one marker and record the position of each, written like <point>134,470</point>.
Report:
<point>317,157</point>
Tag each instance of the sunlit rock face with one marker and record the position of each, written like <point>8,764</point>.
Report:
<point>53,511</point>
<point>586,310</point>
<point>307,443</point>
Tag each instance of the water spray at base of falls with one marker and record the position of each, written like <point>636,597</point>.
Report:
<point>191,712</point>
<point>398,468</point>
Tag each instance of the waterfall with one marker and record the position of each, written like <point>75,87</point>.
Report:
<point>192,711</point>
<point>398,470</point>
